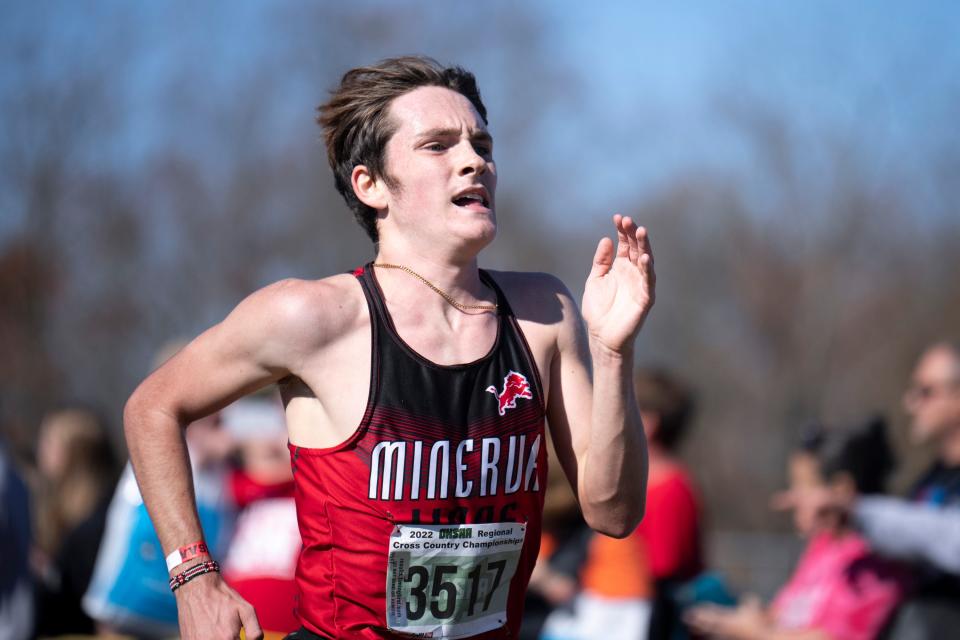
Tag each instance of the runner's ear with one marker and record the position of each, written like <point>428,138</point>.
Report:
<point>369,190</point>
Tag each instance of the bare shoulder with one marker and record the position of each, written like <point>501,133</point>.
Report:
<point>271,334</point>
<point>537,297</point>
<point>315,311</point>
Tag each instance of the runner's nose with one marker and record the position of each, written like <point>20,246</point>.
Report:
<point>472,162</point>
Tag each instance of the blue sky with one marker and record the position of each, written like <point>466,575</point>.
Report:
<point>655,81</point>
<point>884,73</point>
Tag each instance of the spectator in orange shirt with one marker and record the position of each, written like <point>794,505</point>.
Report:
<point>585,585</point>
<point>614,597</point>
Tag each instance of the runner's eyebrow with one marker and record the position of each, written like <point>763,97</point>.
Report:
<point>441,132</point>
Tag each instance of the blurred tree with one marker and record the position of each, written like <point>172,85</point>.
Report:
<point>157,203</point>
<point>790,295</point>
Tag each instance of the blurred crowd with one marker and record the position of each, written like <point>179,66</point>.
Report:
<point>873,565</point>
<point>79,556</point>
<point>79,553</point>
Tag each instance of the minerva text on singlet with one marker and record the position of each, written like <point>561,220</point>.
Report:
<point>396,468</point>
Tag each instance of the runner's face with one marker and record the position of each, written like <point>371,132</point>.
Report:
<point>933,400</point>
<point>442,157</point>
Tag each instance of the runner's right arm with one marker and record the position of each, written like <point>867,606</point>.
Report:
<point>261,341</point>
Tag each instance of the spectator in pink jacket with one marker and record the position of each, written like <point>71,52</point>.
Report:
<point>840,589</point>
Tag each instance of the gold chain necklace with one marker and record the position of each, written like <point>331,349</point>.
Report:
<point>443,294</point>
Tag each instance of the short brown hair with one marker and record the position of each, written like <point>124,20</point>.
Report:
<point>356,125</point>
<point>661,393</point>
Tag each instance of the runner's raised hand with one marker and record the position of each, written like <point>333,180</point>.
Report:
<point>620,288</point>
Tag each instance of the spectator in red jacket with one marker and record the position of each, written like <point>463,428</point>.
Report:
<point>670,531</point>
<point>261,561</point>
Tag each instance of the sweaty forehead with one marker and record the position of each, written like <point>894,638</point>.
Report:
<point>431,108</point>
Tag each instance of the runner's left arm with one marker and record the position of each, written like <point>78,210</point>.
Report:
<point>592,410</point>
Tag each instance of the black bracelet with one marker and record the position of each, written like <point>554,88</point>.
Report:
<point>186,576</point>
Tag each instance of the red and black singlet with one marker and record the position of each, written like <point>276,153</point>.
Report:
<point>438,446</point>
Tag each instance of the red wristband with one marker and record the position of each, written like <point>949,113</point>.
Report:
<point>186,553</point>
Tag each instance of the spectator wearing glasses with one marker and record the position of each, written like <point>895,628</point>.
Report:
<point>926,527</point>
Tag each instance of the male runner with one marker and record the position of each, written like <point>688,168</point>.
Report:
<point>416,388</point>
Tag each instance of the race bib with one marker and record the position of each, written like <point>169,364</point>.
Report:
<point>451,581</point>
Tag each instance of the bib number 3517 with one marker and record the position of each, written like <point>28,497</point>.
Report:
<point>444,594</point>
<point>451,581</point>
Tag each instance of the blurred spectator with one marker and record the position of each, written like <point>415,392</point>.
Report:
<point>670,534</point>
<point>555,577</point>
<point>840,589</point>
<point>261,561</point>
<point>16,595</point>
<point>129,591</point>
<point>76,472</point>
<point>614,600</point>
<point>628,588</point>
<point>925,528</point>
<point>585,585</point>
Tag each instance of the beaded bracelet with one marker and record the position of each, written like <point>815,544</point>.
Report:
<point>184,577</point>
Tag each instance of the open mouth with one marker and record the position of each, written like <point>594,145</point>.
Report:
<point>472,198</point>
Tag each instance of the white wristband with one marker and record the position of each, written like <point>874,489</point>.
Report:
<point>185,553</point>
